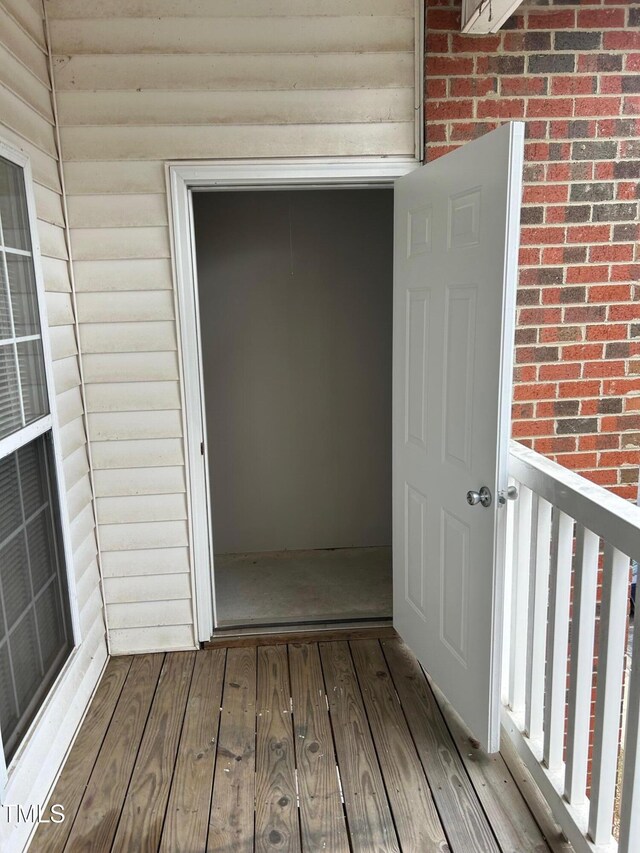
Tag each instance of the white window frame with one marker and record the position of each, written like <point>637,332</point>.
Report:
<point>265,174</point>
<point>29,433</point>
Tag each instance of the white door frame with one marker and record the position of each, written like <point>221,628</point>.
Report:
<point>265,174</point>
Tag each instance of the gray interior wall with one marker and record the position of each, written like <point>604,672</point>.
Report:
<point>296,318</point>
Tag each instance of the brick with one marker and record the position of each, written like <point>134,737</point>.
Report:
<point>448,109</point>
<point>464,131</point>
<point>604,332</point>
<point>536,129</point>
<point>550,372</point>
<point>535,391</point>
<point>631,440</point>
<point>620,457</point>
<point>587,274</point>
<point>526,336</point>
<point>545,193</point>
<point>532,428</point>
<point>566,408</point>
<point>540,236</point>
<point>589,234</point>
<point>589,62</point>
<point>600,18</point>
<point>619,386</point>
<point>447,66</point>
<point>572,295</point>
<point>603,171</point>
<point>581,128</point>
<point>551,20</point>
<point>585,314</point>
<point>618,212</point>
<point>463,43</point>
<point>581,352</point>
<point>618,349</point>
<point>522,410</point>
<point>609,293</point>
<point>436,87</point>
<point>577,461</point>
<point>630,311</point>
<point>527,42</point>
<point>551,63</point>
<point>603,368</point>
<point>571,426</point>
<point>578,213</point>
<point>504,64</point>
<point>611,252</point>
<point>555,445</point>
<point>577,40</point>
<point>531,215</point>
<point>592,192</point>
<point>528,296</point>
<point>444,19</point>
<point>631,105</point>
<point>621,40</point>
<point>436,132</point>
<point>526,373</point>
<point>472,87</point>
<point>599,442</point>
<point>625,233</point>
<point>618,127</point>
<point>601,150</point>
<point>625,272</point>
<point>609,405</point>
<point>627,169</point>
<point>523,86</point>
<point>598,106</point>
<point>628,191</point>
<point>529,256</point>
<point>500,108</point>
<point>436,43</point>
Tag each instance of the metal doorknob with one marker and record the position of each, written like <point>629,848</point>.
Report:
<point>511,495</point>
<point>482,497</point>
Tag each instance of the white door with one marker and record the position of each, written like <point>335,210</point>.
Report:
<point>457,222</point>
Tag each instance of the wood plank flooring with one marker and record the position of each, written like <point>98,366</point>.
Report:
<point>336,745</point>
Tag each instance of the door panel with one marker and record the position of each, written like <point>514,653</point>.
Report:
<point>455,269</point>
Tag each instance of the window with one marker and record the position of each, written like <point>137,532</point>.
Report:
<point>35,626</point>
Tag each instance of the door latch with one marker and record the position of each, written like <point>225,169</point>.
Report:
<point>512,495</point>
<point>482,497</point>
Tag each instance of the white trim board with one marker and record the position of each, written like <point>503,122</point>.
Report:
<point>266,174</point>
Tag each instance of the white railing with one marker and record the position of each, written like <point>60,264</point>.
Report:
<point>567,535</point>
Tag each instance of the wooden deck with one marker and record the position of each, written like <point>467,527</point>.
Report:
<point>301,746</point>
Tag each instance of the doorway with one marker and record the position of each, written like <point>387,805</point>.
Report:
<point>295,300</point>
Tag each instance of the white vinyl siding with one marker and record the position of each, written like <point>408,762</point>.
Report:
<point>27,123</point>
<point>139,82</point>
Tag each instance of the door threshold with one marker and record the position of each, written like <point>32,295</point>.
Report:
<point>267,635</point>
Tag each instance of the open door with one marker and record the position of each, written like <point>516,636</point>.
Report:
<point>457,223</point>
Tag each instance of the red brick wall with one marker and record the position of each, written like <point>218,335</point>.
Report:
<point>571,70</point>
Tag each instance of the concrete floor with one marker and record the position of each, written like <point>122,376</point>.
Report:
<point>283,587</point>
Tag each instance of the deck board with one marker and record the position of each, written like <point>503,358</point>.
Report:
<point>306,746</point>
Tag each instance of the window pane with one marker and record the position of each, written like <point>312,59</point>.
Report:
<point>34,393</point>
<point>24,300</point>
<point>35,635</point>
<point>14,218</point>
<point>10,415</point>
<point>5,313</point>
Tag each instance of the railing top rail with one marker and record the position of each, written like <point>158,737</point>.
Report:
<point>617,521</point>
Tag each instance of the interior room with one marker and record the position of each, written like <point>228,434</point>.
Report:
<point>295,309</point>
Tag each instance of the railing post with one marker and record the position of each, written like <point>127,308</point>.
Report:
<point>557,639</point>
<point>519,598</point>
<point>613,623</point>
<point>537,623</point>
<point>630,811</point>
<point>581,666</point>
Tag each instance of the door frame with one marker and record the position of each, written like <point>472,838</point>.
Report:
<point>183,178</point>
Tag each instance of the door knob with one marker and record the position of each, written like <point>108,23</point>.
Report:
<point>482,497</point>
<point>512,495</point>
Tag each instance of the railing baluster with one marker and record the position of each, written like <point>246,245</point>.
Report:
<point>519,597</point>
<point>613,612</point>
<point>630,810</point>
<point>508,595</point>
<point>537,622</point>
<point>581,666</point>
<point>557,639</point>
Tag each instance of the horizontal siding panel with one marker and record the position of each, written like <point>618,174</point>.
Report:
<point>130,367</point>
<point>143,508</point>
<point>79,497</point>
<point>59,309</point>
<point>132,396</point>
<point>23,47</point>
<point>141,640</point>
<point>114,211</point>
<point>110,276</point>
<point>43,167</point>
<point>140,535</point>
<point>120,426</point>
<point>28,18</point>
<point>225,141</point>
<point>126,306</point>
<point>63,342</point>
<point>52,241</point>
<point>98,178</point>
<point>85,555</point>
<point>55,272</point>
<point>145,588</point>
<point>128,337</point>
<point>66,374</point>
<point>27,122</point>
<point>153,561</point>
<point>155,453</point>
<point>252,72</point>
<point>145,481</point>
<point>25,85</point>
<point>81,526</point>
<point>203,108</point>
<point>286,34</point>
<point>72,437</point>
<point>224,8</point>
<point>75,467</point>
<point>69,406</point>
<point>90,609</point>
<point>148,614</point>
<point>48,205</point>
<point>119,243</point>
